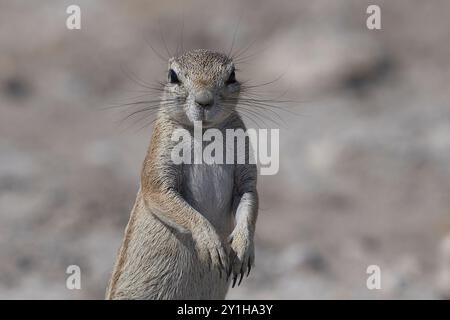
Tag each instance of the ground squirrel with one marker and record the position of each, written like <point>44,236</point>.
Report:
<point>192,226</point>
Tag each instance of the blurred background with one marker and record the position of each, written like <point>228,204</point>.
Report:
<point>364,168</point>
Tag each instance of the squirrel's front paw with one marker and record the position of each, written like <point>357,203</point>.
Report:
<point>210,249</point>
<point>242,253</point>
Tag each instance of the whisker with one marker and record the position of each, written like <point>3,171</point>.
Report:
<point>133,77</point>
<point>254,114</point>
<point>264,109</point>
<point>265,116</point>
<point>138,112</point>
<point>249,118</point>
<point>147,92</point>
<point>244,86</point>
<point>146,125</point>
<point>240,52</point>
<point>181,44</point>
<point>248,115</point>
<point>230,52</point>
<point>268,107</point>
<point>272,104</point>
<point>148,115</point>
<point>156,52</point>
<point>163,39</point>
<point>246,58</point>
<point>137,103</point>
<point>244,98</point>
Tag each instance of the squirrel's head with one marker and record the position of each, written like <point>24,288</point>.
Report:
<point>201,86</point>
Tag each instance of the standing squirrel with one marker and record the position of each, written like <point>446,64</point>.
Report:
<point>191,230</point>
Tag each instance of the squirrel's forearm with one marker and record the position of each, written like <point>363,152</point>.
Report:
<point>173,209</point>
<point>247,210</point>
<point>247,206</point>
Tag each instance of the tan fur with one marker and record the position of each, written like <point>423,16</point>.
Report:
<point>191,225</point>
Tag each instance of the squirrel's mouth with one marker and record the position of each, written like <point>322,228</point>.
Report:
<point>207,116</point>
<point>202,116</point>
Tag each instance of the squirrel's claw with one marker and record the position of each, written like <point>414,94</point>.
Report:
<point>242,276</point>
<point>234,281</point>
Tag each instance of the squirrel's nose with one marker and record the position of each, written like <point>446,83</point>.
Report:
<point>204,98</point>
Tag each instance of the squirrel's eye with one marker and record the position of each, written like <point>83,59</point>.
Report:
<point>173,78</point>
<point>231,78</point>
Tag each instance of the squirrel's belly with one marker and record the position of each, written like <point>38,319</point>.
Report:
<point>209,189</point>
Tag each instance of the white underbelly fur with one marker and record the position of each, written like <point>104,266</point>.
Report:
<point>209,190</point>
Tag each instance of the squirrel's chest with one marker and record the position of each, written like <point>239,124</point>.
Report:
<point>209,188</point>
